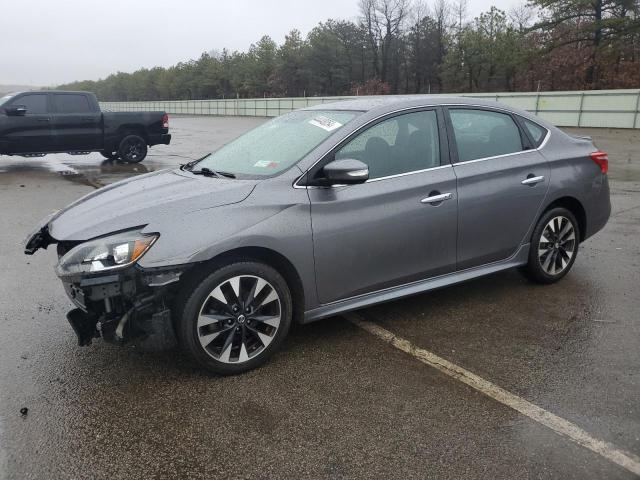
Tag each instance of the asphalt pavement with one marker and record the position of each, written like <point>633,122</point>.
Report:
<point>337,401</point>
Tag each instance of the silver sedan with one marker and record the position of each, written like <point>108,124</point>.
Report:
<point>321,211</point>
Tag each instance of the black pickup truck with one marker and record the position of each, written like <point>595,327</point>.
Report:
<point>40,122</point>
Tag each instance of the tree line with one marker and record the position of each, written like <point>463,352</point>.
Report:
<point>410,46</point>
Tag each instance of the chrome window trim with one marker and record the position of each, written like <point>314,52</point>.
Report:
<point>544,141</point>
<point>546,138</point>
<point>364,126</point>
<point>413,172</point>
<point>464,162</point>
<point>506,154</point>
<point>547,134</point>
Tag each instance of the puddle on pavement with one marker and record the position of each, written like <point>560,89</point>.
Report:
<point>90,170</point>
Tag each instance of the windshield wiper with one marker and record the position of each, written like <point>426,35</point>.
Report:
<point>189,165</point>
<point>207,172</point>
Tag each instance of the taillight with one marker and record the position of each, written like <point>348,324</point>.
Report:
<point>602,160</point>
<point>165,121</point>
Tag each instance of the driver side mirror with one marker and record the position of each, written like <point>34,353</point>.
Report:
<point>16,110</point>
<point>347,171</point>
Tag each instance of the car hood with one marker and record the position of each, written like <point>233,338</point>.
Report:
<point>153,200</point>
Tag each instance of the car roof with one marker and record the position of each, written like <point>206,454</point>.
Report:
<point>13,94</point>
<point>383,104</point>
<point>392,102</point>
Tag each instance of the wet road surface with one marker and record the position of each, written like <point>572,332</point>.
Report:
<point>336,402</point>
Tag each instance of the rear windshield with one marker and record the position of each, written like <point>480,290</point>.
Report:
<point>278,144</point>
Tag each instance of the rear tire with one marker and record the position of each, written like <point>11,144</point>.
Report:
<point>234,318</point>
<point>554,246</point>
<point>132,149</point>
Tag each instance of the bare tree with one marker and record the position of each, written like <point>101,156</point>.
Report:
<point>384,21</point>
<point>521,16</point>
<point>419,14</point>
<point>374,33</point>
<point>419,10</point>
<point>442,16</point>
<point>460,11</point>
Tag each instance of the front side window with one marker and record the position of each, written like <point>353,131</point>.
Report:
<point>35,103</point>
<point>278,144</point>
<point>484,133</point>
<point>400,144</point>
<point>70,103</point>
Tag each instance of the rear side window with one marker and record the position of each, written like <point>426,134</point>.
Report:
<point>536,131</point>
<point>484,133</point>
<point>35,103</point>
<point>70,103</point>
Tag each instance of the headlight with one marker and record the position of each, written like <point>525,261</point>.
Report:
<point>107,253</point>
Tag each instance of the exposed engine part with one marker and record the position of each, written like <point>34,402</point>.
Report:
<point>107,305</point>
<point>122,323</point>
<point>125,307</point>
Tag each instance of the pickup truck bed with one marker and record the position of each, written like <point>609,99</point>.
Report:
<point>41,122</point>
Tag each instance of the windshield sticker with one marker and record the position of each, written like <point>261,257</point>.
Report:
<point>325,123</point>
<point>266,164</point>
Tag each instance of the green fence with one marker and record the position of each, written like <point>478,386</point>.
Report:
<point>594,108</point>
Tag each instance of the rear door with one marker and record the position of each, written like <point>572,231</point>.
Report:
<point>502,181</point>
<point>76,123</point>
<point>31,132</point>
<point>388,231</point>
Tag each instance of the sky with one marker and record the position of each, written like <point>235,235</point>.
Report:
<point>46,43</point>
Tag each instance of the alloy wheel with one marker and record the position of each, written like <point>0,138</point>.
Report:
<point>557,245</point>
<point>239,319</point>
<point>133,149</point>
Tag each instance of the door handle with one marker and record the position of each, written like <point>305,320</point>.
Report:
<point>437,198</point>
<point>44,119</point>
<point>87,119</point>
<point>531,180</point>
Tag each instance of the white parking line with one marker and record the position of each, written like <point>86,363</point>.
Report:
<point>559,425</point>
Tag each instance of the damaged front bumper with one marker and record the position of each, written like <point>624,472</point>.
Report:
<point>127,307</point>
<point>39,238</point>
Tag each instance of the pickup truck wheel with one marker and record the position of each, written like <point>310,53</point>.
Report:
<point>133,149</point>
<point>109,155</point>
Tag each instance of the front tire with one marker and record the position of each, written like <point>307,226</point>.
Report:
<point>235,318</point>
<point>554,246</point>
<point>132,149</point>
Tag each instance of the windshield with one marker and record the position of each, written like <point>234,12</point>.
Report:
<point>276,145</point>
<point>5,99</point>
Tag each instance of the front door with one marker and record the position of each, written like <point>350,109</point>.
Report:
<point>31,132</point>
<point>399,226</point>
<point>502,182</point>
